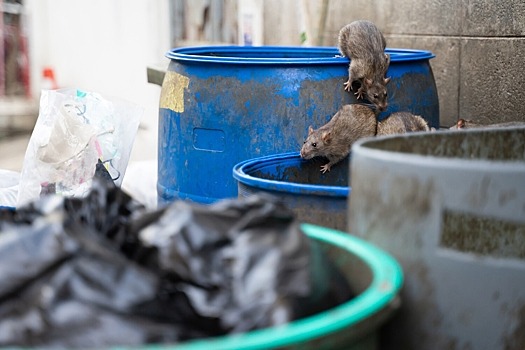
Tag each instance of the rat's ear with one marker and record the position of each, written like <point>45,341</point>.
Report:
<point>368,82</point>
<point>310,130</point>
<point>387,80</point>
<point>326,136</point>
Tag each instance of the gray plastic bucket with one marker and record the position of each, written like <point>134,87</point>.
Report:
<point>450,206</point>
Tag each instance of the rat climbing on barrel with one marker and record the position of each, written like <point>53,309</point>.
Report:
<point>364,44</point>
<point>334,139</point>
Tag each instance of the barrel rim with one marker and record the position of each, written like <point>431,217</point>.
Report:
<point>362,147</point>
<point>193,54</point>
<point>381,294</point>
<point>241,174</point>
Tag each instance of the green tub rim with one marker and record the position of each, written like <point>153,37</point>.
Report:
<point>386,283</point>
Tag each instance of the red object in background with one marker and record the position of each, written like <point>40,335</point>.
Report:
<point>14,57</point>
<point>49,81</point>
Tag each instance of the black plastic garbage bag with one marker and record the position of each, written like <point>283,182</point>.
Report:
<point>101,271</point>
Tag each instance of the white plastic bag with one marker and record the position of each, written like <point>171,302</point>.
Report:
<point>8,188</point>
<point>73,131</point>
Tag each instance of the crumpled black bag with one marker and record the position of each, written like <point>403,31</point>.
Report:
<point>102,271</point>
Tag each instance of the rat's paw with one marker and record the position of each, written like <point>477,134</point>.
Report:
<point>359,94</point>
<point>348,86</point>
<point>325,168</point>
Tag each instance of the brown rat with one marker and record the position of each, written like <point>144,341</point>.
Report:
<point>465,124</point>
<point>469,124</point>
<point>335,139</point>
<point>364,44</point>
<point>400,123</point>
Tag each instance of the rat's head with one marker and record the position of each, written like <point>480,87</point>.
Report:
<point>460,124</point>
<point>315,143</point>
<point>376,92</point>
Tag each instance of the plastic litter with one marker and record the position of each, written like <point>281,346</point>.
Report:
<point>74,130</point>
<point>8,188</point>
<point>102,270</point>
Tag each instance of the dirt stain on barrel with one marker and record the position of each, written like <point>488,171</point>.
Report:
<point>482,235</point>
<point>516,340</point>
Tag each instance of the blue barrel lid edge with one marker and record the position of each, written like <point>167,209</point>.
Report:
<point>305,55</point>
<point>242,169</point>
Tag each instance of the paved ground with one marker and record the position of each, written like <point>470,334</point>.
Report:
<point>12,149</point>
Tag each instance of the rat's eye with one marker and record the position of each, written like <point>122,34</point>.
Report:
<point>376,96</point>
<point>386,94</point>
<point>304,142</point>
<point>314,144</point>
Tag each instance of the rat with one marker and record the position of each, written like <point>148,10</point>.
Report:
<point>469,124</point>
<point>400,123</point>
<point>335,139</point>
<point>466,124</point>
<point>364,44</point>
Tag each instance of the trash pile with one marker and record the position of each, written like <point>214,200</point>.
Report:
<point>101,270</point>
<point>85,265</point>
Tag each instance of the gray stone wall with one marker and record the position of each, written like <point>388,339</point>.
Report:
<point>479,46</point>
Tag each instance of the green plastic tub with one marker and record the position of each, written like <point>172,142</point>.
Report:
<point>374,276</point>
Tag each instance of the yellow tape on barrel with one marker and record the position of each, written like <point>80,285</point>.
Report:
<point>172,93</point>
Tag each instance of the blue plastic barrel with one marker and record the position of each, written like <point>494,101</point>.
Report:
<point>314,197</point>
<point>221,105</point>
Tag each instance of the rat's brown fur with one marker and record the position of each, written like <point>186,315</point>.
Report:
<point>469,124</point>
<point>400,123</point>
<point>364,44</point>
<point>335,139</point>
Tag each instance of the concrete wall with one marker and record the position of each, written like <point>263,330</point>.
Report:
<point>101,46</point>
<point>479,46</point>
<point>479,67</point>
<point>286,20</point>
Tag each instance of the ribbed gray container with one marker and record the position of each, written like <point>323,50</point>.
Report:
<point>450,207</point>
